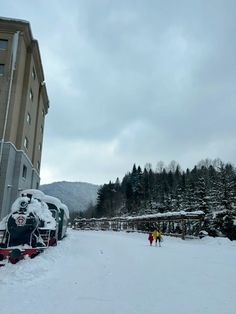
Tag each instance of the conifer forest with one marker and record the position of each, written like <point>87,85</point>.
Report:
<point>209,187</point>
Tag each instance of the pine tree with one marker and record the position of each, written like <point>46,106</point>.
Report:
<point>201,195</point>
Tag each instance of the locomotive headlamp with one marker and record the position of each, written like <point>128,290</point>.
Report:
<point>23,204</point>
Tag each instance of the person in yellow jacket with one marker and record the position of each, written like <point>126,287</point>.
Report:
<point>154,234</point>
<point>157,236</point>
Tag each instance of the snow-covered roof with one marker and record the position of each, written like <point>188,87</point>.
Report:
<point>193,214</point>
<point>52,200</point>
<point>8,19</point>
<point>168,214</point>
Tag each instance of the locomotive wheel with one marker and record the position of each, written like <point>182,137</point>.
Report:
<point>34,254</point>
<point>2,257</point>
<point>15,256</point>
<point>52,242</point>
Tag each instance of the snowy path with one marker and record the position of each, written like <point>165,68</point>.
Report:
<point>110,273</point>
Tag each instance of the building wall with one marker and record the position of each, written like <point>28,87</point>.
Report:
<point>7,173</point>
<point>28,100</point>
<point>14,163</point>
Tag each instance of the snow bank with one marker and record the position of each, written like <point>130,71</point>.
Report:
<point>116,272</point>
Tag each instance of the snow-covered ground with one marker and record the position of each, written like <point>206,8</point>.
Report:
<point>93,272</point>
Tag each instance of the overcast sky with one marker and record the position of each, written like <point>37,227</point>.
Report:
<point>133,81</point>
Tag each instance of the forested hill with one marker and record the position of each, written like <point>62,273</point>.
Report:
<point>76,195</point>
<point>210,186</point>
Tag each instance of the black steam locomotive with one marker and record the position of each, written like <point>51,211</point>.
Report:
<point>36,222</point>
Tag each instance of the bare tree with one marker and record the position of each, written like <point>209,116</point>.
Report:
<point>160,166</point>
<point>173,166</point>
<point>148,166</point>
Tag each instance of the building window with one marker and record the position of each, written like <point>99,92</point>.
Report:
<point>26,143</point>
<point>37,185</point>
<point>40,147</point>
<point>41,129</point>
<point>1,69</point>
<point>24,172</point>
<point>31,95</point>
<point>28,118</point>
<point>43,113</point>
<point>3,44</point>
<point>33,74</point>
<point>38,165</point>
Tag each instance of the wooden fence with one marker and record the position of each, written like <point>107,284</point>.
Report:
<point>170,223</point>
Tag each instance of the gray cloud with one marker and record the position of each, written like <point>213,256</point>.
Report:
<point>134,82</point>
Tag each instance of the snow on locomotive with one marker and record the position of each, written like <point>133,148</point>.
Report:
<point>36,222</point>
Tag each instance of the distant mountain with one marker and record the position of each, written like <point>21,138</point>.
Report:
<point>76,195</point>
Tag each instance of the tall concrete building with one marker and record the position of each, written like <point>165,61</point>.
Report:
<point>23,106</point>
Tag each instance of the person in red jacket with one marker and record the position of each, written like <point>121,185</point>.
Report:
<point>150,238</point>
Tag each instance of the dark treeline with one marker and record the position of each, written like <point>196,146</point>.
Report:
<point>209,186</point>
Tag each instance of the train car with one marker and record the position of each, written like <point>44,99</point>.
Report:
<point>36,221</point>
<point>63,221</point>
<point>61,214</point>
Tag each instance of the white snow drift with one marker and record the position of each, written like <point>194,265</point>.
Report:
<point>119,273</point>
